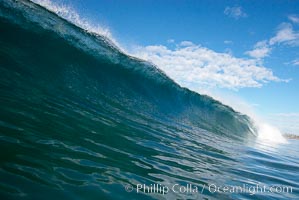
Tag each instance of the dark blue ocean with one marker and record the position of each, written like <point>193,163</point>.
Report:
<point>80,119</point>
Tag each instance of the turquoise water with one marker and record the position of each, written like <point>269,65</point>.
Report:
<point>79,119</point>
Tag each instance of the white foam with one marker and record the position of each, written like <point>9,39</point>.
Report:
<point>266,133</point>
<point>269,134</point>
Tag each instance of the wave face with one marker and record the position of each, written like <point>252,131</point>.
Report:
<point>80,119</point>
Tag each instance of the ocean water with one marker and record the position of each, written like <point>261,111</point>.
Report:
<point>80,119</point>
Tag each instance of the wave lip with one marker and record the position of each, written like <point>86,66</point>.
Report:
<point>72,16</point>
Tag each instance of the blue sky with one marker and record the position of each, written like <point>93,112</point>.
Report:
<point>245,53</point>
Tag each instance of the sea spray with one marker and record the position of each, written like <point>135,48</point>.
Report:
<point>268,133</point>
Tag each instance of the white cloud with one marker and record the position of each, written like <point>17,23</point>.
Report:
<point>228,51</point>
<point>186,43</point>
<point>260,50</point>
<point>285,35</point>
<point>170,41</point>
<point>294,19</point>
<point>227,42</point>
<point>235,12</point>
<point>198,67</point>
<point>295,62</point>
